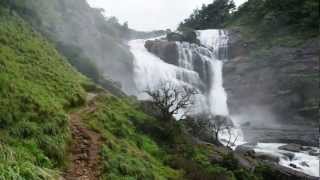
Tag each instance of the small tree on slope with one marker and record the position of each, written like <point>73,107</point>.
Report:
<point>171,99</point>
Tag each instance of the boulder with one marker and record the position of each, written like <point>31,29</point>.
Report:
<point>304,164</point>
<point>246,149</point>
<point>306,148</point>
<point>285,173</point>
<point>293,166</point>
<point>267,157</point>
<point>314,153</point>
<point>291,147</point>
<point>288,155</point>
<point>165,50</point>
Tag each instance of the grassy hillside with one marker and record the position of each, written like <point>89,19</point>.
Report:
<point>37,85</point>
<point>92,43</point>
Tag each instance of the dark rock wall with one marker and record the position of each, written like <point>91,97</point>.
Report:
<point>281,82</point>
<point>167,51</point>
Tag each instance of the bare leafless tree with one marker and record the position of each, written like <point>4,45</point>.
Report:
<point>171,99</point>
<point>219,124</point>
<point>208,127</point>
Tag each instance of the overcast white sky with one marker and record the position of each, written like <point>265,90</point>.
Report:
<point>150,14</point>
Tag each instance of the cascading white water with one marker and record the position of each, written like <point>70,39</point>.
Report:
<point>218,96</point>
<point>217,41</point>
<point>150,70</point>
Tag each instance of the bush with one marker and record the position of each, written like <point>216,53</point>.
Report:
<point>230,162</point>
<point>24,130</point>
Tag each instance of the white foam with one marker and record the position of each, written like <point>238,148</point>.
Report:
<point>300,157</point>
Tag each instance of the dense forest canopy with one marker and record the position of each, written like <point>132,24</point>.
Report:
<point>211,16</point>
<point>269,14</point>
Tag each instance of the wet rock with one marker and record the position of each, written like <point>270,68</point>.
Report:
<point>306,148</point>
<point>314,153</point>
<point>289,155</point>
<point>304,164</point>
<point>274,79</point>
<point>293,165</point>
<point>285,173</point>
<point>267,157</point>
<point>291,147</point>
<point>165,50</point>
<point>246,149</point>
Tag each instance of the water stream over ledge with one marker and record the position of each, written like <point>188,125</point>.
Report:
<point>150,70</point>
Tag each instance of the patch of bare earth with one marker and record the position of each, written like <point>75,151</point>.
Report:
<point>85,149</point>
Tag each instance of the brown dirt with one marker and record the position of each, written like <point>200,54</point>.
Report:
<point>85,148</point>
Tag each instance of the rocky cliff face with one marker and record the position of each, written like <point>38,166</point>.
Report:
<point>166,50</point>
<point>274,86</point>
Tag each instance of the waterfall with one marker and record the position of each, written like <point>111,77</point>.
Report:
<point>201,67</point>
<point>150,70</point>
<point>198,66</point>
<point>217,42</point>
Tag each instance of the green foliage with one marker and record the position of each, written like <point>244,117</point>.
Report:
<point>273,22</point>
<point>279,18</point>
<point>36,86</point>
<point>265,172</point>
<point>127,153</point>
<point>212,16</point>
<point>230,162</point>
<point>242,174</point>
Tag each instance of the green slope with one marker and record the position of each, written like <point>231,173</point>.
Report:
<point>36,86</point>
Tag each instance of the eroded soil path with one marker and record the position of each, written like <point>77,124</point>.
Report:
<point>85,149</point>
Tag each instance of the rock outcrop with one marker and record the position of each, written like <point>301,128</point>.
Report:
<point>276,86</point>
<point>166,50</point>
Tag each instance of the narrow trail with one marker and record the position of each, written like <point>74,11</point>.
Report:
<point>85,149</point>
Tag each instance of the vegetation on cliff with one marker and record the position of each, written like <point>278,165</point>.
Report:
<point>212,16</point>
<point>299,15</point>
